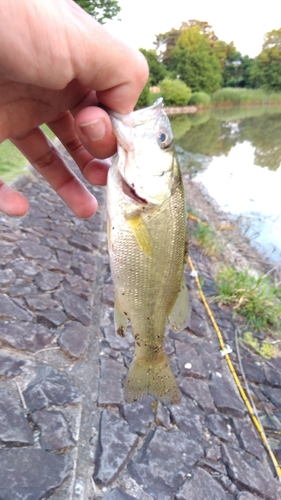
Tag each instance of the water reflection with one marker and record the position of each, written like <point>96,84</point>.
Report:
<point>236,154</point>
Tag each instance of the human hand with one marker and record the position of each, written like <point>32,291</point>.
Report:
<point>56,65</point>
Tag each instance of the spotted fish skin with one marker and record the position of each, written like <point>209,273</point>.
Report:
<point>147,241</point>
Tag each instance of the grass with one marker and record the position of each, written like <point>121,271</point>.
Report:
<point>255,298</point>
<point>200,100</point>
<point>239,96</point>
<point>207,239</point>
<point>12,162</point>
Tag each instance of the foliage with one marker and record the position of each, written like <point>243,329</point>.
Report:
<point>237,71</point>
<point>266,71</point>
<point>238,96</point>
<point>256,298</point>
<point>145,98</point>
<point>195,63</point>
<point>265,350</point>
<point>157,70</point>
<point>175,92</point>
<point>200,99</point>
<point>101,10</point>
<point>207,239</point>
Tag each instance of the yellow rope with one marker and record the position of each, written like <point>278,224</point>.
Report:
<point>193,217</point>
<point>234,374</point>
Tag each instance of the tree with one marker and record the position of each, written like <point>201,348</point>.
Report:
<point>157,70</point>
<point>101,10</point>
<point>195,62</point>
<point>266,71</point>
<point>175,92</point>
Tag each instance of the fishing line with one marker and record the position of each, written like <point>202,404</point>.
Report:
<point>243,394</point>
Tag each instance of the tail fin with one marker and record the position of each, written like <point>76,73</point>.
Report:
<point>152,378</point>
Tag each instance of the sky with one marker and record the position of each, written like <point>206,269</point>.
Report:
<point>244,22</point>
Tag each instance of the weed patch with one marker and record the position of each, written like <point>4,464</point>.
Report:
<point>256,298</point>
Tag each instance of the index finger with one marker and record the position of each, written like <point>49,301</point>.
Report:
<point>117,72</point>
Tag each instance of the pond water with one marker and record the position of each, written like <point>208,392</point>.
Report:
<point>236,154</point>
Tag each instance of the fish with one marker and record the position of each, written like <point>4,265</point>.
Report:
<point>147,244</point>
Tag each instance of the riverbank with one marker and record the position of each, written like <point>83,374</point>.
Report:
<point>63,369</point>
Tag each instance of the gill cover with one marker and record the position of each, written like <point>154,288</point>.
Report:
<point>145,152</point>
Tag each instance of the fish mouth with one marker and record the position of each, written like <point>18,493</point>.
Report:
<point>129,191</point>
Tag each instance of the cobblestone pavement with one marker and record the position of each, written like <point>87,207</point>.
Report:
<point>65,430</point>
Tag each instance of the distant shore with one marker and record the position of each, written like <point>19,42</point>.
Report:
<point>179,110</point>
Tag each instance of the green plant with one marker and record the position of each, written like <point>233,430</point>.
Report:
<point>200,99</point>
<point>256,298</point>
<point>266,350</point>
<point>175,92</point>
<point>206,238</point>
<point>240,96</point>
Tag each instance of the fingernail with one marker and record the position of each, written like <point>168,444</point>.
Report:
<point>94,130</point>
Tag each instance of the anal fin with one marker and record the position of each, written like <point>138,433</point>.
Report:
<point>180,314</point>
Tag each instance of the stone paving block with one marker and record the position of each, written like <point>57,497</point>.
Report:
<point>76,308</point>
<point>14,428</point>
<point>77,285</point>
<point>21,287</point>
<point>49,387</point>
<point>110,384</point>
<point>274,395</point>
<point>248,438</point>
<point>139,415</point>
<point>190,364</point>
<point>51,318</point>
<point>78,242</point>
<point>9,309</point>
<point>74,339</point>
<point>250,473</point>
<point>219,426</point>
<point>198,390</point>
<point>188,418</point>
<point>116,442</point>
<point>31,474</point>
<point>55,431</point>
<point>202,486</point>
<point>24,267</point>
<point>117,342</point>
<point>26,336</point>
<point>48,280</point>
<point>273,377</point>
<point>40,302</point>
<point>245,495</point>
<point>197,325</point>
<point>163,416</point>
<point>118,494</point>
<point>10,366</point>
<point>34,250</point>
<point>253,372</point>
<point>7,277</point>
<point>209,350</point>
<point>225,398</point>
<point>163,461</point>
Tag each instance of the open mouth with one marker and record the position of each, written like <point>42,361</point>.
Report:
<point>129,191</point>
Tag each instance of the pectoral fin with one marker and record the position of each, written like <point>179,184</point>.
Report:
<point>120,319</point>
<point>180,315</point>
<point>141,233</point>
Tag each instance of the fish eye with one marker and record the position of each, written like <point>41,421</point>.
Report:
<point>164,140</point>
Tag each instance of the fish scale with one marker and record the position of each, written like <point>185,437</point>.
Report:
<point>147,249</point>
